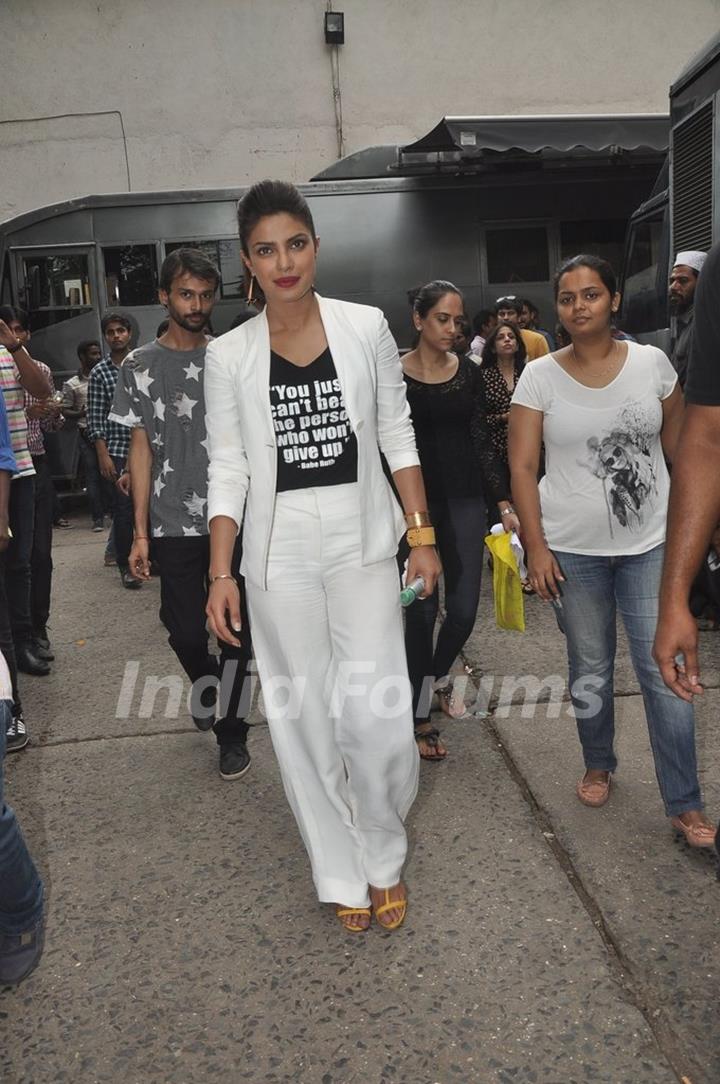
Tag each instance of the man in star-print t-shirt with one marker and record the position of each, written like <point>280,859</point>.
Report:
<point>159,396</point>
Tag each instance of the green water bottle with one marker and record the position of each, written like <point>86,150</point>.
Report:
<point>412,591</point>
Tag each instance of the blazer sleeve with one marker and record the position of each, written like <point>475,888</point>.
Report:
<point>396,435</point>
<point>229,470</point>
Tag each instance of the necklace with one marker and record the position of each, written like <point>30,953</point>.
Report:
<point>608,363</point>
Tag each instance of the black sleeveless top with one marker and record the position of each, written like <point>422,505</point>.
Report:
<point>453,436</point>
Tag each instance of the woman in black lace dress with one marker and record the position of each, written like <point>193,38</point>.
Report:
<point>462,471</point>
<point>503,359</point>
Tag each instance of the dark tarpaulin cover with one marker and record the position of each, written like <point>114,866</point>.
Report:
<point>560,133</point>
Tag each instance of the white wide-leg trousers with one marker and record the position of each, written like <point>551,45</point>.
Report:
<point>328,641</point>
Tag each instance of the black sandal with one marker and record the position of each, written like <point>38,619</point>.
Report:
<point>430,737</point>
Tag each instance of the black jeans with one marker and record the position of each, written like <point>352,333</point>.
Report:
<point>41,565</point>
<point>184,565</point>
<point>17,558</point>
<point>459,529</point>
<point>6,640</point>
<point>93,478</point>
<point>122,519</point>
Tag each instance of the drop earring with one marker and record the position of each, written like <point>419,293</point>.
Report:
<point>251,288</point>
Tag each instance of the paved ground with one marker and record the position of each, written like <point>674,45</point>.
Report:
<point>545,942</point>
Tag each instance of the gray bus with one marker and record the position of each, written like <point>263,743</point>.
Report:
<point>683,211</point>
<point>493,222</point>
<point>492,204</point>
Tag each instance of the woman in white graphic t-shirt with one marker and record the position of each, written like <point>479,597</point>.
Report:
<point>608,413</point>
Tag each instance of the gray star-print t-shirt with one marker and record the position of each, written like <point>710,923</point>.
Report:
<point>161,391</point>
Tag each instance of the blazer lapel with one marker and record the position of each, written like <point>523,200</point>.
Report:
<point>262,375</point>
<point>343,345</point>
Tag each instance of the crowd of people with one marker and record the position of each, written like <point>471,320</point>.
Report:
<point>275,477</point>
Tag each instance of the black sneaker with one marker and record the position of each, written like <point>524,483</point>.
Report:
<point>203,709</point>
<point>98,526</point>
<point>16,735</point>
<point>43,653</point>
<point>129,581</point>
<point>29,663</point>
<point>234,760</point>
<point>19,955</point>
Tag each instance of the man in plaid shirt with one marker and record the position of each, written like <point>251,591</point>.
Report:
<point>111,440</point>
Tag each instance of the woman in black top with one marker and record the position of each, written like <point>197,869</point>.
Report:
<point>461,471</point>
<point>503,359</point>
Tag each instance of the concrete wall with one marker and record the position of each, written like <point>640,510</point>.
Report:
<point>227,91</point>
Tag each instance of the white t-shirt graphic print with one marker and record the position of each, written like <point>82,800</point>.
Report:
<point>605,491</point>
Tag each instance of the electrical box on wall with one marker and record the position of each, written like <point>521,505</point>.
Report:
<point>334,27</point>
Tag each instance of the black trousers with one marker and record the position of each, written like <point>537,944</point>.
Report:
<point>92,477</point>
<point>460,529</point>
<point>184,565</point>
<point>41,565</point>
<point>122,519</point>
<point>18,557</point>
<point>7,644</point>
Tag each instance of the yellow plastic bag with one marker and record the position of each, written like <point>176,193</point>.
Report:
<point>509,603</point>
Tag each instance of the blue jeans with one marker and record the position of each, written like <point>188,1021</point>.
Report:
<point>21,890</point>
<point>594,589</point>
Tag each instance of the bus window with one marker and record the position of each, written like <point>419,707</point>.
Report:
<point>225,254</point>
<point>130,275</point>
<point>54,287</point>
<point>644,301</point>
<point>517,254</point>
<point>5,283</point>
<point>603,237</point>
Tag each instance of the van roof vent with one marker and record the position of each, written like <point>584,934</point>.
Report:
<point>692,151</point>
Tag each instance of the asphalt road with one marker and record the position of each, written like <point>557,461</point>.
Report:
<point>546,943</point>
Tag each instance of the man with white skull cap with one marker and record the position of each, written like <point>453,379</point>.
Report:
<point>683,280</point>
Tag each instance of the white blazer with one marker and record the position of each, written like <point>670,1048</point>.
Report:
<point>242,445</point>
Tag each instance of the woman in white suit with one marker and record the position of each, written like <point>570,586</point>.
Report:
<point>301,400</point>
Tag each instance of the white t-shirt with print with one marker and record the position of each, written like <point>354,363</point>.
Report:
<point>605,491</point>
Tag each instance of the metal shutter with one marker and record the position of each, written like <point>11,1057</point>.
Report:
<point>692,151</point>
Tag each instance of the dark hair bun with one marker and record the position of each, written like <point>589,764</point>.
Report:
<point>424,298</point>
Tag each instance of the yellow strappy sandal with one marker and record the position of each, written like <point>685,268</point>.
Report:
<point>391,905</point>
<point>352,927</point>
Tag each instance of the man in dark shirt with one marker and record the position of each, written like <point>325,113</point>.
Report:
<point>111,440</point>
<point>159,400</point>
<point>683,281</point>
<point>695,491</point>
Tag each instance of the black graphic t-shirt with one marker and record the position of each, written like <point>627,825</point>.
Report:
<point>315,442</point>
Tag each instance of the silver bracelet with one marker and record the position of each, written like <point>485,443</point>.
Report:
<point>508,511</point>
<point>222,576</point>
